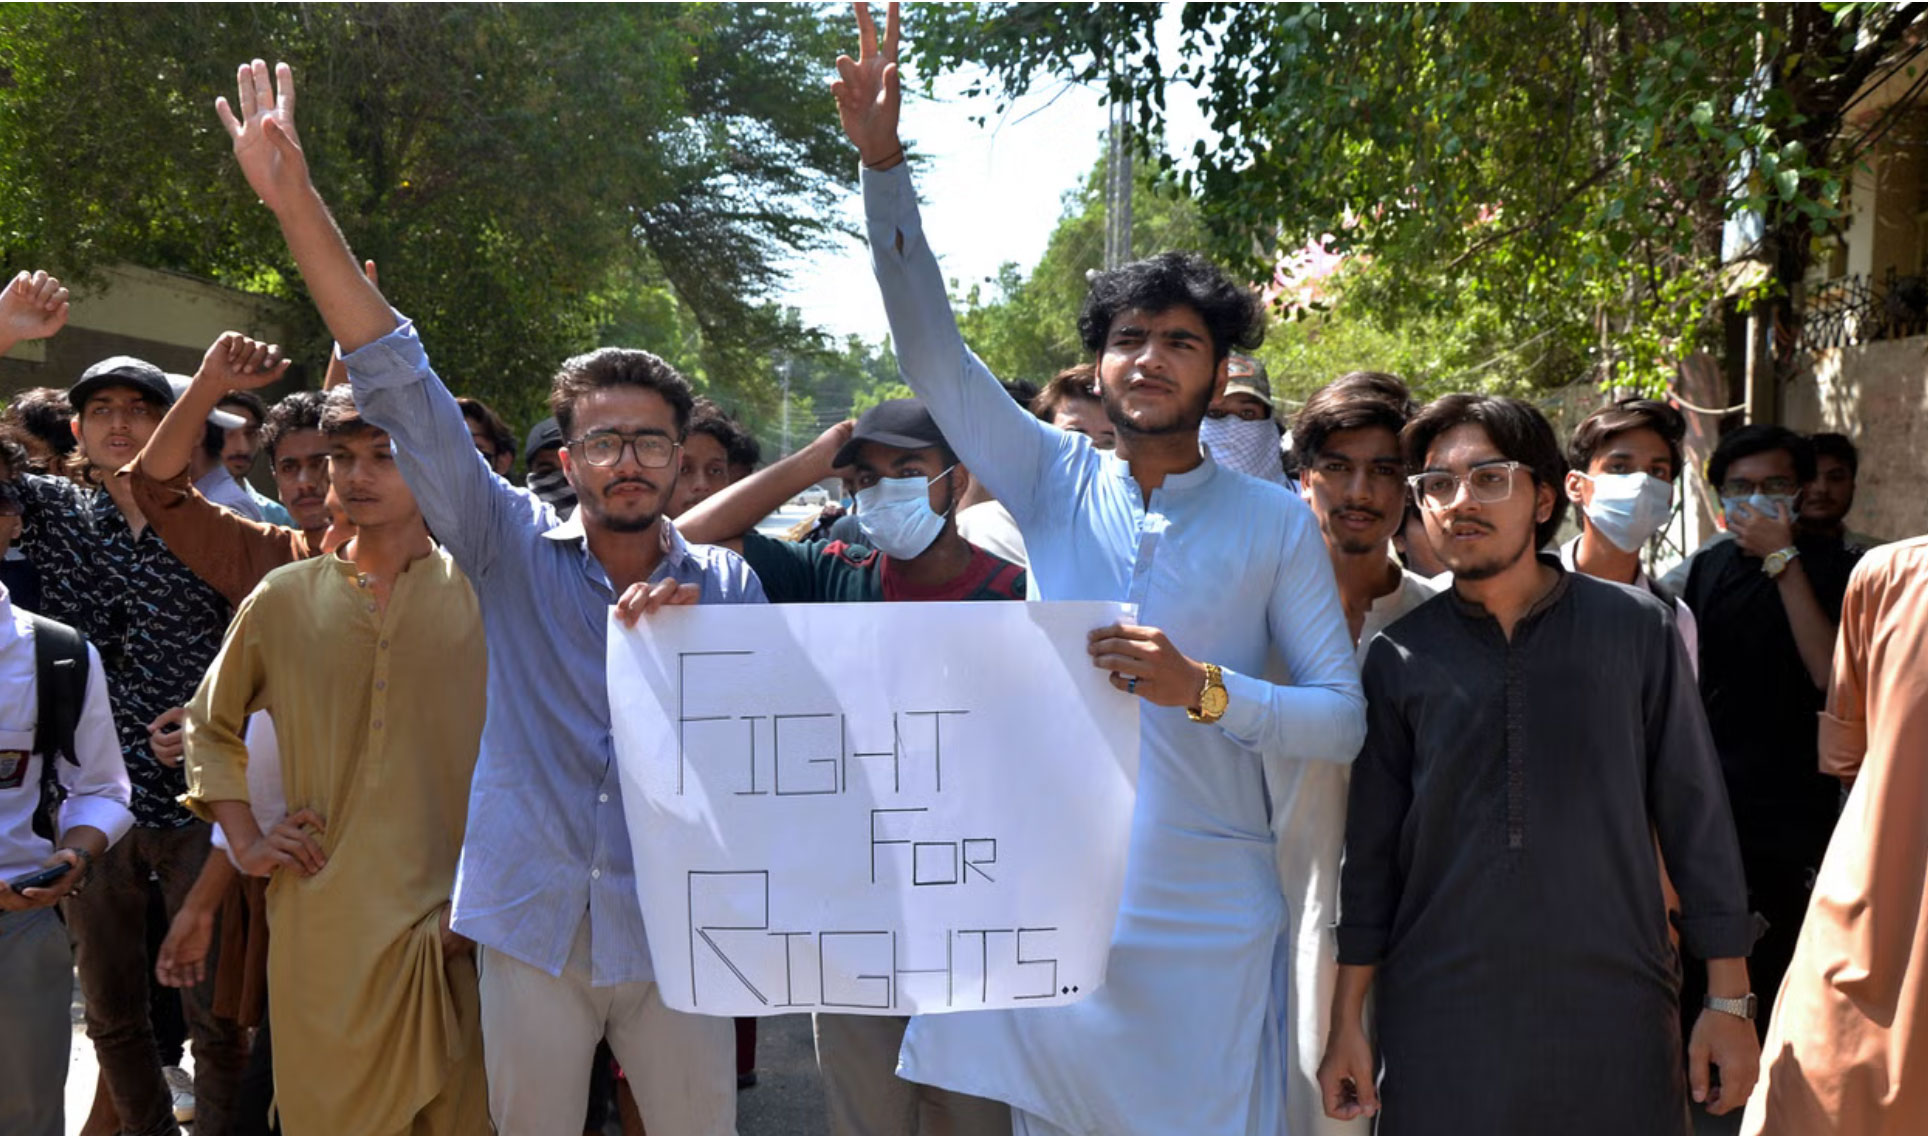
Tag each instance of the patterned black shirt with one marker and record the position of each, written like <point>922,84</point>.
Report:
<point>156,625</point>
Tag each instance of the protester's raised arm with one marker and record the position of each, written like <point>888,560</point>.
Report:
<point>1004,446</point>
<point>723,517</point>
<point>234,362</point>
<point>32,306</point>
<point>268,149</point>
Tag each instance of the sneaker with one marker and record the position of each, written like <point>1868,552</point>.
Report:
<point>182,1086</point>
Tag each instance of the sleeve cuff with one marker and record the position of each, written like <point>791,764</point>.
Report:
<point>890,206</point>
<point>1718,936</point>
<point>394,360</point>
<point>104,813</point>
<point>1361,946</point>
<point>1843,745</point>
<point>1246,703</point>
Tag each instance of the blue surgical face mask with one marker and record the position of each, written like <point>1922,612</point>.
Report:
<point>896,515</point>
<point>1629,508</point>
<point>1761,503</point>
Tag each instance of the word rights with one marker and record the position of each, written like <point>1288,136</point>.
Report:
<point>874,808</point>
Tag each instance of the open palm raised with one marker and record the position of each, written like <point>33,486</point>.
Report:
<point>264,136</point>
<point>868,92</point>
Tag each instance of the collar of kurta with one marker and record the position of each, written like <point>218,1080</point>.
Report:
<point>1196,477</point>
<point>1554,594</point>
<point>676,550</point>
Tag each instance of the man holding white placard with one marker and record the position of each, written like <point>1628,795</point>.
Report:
<point>901,466</point>
<point>1187,1033</point>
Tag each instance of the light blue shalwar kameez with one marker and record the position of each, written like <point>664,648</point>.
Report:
<point>1186,1035</point>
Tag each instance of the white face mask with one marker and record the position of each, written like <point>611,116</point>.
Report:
<point>1247,446</point>
<point>1629,508</point>
<point>896,515</point>
<point>1762,504</point>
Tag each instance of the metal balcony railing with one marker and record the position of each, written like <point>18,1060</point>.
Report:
<point>1850,310</point>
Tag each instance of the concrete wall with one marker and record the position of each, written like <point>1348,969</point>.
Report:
<point>1876,394</point>
<point>167,318</point>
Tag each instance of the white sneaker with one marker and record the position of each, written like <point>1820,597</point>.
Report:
<point>182,1086</point>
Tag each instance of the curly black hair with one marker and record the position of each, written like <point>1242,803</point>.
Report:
<point>1234,316</point>
<point>293,414</point>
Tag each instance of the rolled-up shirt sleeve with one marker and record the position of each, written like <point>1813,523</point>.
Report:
<point>98,793</point>
<point>467,506</point>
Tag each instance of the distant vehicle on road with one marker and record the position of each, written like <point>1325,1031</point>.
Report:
<point>815,496</point>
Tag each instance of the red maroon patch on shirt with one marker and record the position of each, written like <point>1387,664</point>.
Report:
<point>13,768</point>
<point>848,553</point>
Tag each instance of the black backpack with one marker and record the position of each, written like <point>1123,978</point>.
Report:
<point>60,672</point>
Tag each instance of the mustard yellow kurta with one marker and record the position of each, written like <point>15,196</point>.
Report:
<point>379,715</point>
<point>1847,1051</point>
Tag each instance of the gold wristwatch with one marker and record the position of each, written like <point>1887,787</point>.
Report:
<point>1776,562</point>
<point>1211,700</point>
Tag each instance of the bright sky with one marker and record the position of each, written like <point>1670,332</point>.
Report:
<point>991,194</point>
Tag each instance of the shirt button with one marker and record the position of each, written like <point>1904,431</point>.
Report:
<point>378,723</point>
<point>384,644</point>
<point>371,607</point>
<point>595,873</point>
<point>603,797</point>
<point>381,684</point>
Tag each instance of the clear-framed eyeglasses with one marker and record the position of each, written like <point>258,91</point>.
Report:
<point>1487,483</point>
<point>605,448</point>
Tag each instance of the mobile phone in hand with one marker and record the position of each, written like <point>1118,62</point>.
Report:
<point>45,877</point>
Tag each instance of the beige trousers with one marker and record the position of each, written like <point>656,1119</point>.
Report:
<point>857,1055</point>
<point>540,1033</point>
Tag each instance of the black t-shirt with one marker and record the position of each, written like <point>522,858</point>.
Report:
<point>1761,702</point>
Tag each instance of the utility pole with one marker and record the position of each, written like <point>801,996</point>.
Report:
<point>1118,181</point>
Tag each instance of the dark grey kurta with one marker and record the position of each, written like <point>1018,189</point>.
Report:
<point>1500,864</point>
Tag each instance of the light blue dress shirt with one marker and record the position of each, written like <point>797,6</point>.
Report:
<point>1186,1035</point>
<point>546,841</point>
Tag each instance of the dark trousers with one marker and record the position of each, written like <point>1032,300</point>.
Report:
<point>254,1096</point>
<point>109,922</point>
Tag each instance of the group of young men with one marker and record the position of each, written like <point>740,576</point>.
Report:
<point>1431,840</point>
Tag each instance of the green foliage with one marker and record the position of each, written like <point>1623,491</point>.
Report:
<point>1029,329</point>
<point>1571,166</point>
<point>533,179</point>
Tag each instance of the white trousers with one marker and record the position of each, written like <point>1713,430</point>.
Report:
<point>539,1036</point>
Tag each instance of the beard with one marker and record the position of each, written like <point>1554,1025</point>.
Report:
<point>1491,565</point>
<point>1183,420</point>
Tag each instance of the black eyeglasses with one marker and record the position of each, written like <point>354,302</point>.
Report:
<point>605,448</point>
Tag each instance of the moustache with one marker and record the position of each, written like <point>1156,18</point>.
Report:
<point>618,483</point>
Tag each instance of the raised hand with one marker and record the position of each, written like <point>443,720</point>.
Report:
<point>32,306</point>
<point>265,143</point>
<point>236,362</point>
<point>868,93</point>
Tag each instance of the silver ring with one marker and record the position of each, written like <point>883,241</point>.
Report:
<point>1131,685</point>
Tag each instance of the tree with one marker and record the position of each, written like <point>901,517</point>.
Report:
<point>1574,165</point>
<point>530,177</point>
<point>1029,329</point>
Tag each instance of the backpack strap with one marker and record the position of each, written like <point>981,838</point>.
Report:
<point>60,677</point>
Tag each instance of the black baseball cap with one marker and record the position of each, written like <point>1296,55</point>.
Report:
<point>542,435</point>
<point>121,371</point>
<point>902,423</point>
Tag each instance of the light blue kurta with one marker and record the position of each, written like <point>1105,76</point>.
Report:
<point>1186,1034</point>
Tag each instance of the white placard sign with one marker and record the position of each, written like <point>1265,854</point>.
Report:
<point>874,808</point>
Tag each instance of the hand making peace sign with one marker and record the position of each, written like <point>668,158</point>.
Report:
<point>867,90</point>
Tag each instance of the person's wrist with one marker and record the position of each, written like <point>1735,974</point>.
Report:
<point>883,156</point>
